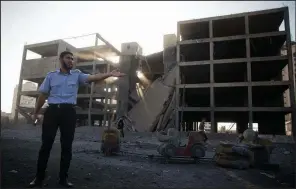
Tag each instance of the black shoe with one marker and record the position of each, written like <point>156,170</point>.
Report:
<point>66,183</point>
<point>36,183</point>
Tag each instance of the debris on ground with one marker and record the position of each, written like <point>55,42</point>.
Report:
<point>89,168</point>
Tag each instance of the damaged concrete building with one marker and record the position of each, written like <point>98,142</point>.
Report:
<point>229,69</point>
<point>94,102</point>
<point>223,69</point>
<point>233,64</point>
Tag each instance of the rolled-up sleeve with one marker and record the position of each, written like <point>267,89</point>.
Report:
<point>45,86</point>
<point>82,78</point>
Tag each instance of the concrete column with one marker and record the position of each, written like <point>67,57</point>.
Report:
<point>128,65</point>
<point>90,121</point>
<point>107,86</point>
<point>241,126</point>
<point>123,86</point>
<point>133,73</point>
<point>249,73</point>
<point>20,85</point>
<point>214,127</point>
<point>214,124</point>
<point>291,72</point>
<point>169,51</point>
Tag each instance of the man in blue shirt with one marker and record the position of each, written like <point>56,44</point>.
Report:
<point>60,87</point>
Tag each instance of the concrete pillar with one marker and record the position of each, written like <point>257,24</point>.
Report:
<point>241,126</point>
<point>20,85</point>
<point>92,86</point>
<point>214,127</point>
<point>128,65</point>
<point>190,126</point>
<point>107,95</point>
<point>169,51</point>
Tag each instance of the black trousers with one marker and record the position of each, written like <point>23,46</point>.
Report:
<point>64,118</point>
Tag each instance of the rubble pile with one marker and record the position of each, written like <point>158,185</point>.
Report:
<point>250,151</point>
<point>229,155</point>
<point>165,118</point>
<point>145,112</point>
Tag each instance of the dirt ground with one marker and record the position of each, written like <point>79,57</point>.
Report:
<point>20,145</point>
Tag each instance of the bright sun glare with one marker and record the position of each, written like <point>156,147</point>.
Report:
<point>140,74</point>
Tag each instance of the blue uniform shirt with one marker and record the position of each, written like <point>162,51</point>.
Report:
<point>62,87</point>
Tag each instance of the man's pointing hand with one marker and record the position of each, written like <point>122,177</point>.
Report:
<point>116,73</point>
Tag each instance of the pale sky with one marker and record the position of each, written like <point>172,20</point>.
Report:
<point>118,22</point>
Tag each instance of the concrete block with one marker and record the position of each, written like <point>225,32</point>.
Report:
<point>169,40</point>
<point>132,48</point>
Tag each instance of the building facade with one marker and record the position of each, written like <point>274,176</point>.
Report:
<point>285,73</point>
<point>95,102</point>
<point>25,101</point>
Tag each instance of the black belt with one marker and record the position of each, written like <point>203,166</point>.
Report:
<point>62,105</point>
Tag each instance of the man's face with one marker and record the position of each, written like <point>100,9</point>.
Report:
<point>67,61</point>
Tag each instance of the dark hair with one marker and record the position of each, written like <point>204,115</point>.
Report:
<point>65,53</point>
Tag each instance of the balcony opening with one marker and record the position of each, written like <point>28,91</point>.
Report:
<point>267,46</point>
<point>276,70</point>
<point>44,50</point>
<point>268,96</point>
<point>229,27</point>
<point>196,74</point>
<point>197,30</point>
<point>231,123</point>
<point>229,72</point>
<point>268,126</point>
<point>230,49</point>
<point>189,120</point>
<point>32,55</point>
<point>195,97</point>
<point>256,22</point>
<point>226,127</point>
<point>195,52</point>
<point>231,96</point>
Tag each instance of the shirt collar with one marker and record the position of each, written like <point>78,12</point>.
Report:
<point>59,71</point>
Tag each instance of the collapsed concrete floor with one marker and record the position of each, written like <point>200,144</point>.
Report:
<point>20,147</point>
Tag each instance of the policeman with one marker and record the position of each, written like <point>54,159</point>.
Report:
<point>60,87</point>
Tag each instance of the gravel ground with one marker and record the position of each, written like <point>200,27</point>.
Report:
<point>20,145</point>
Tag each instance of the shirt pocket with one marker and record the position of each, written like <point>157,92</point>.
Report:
<point>71,87</point>
<point>56,86</point>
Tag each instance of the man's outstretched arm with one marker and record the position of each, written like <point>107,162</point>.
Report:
<point>87,78</point>
<point>98,77</point>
